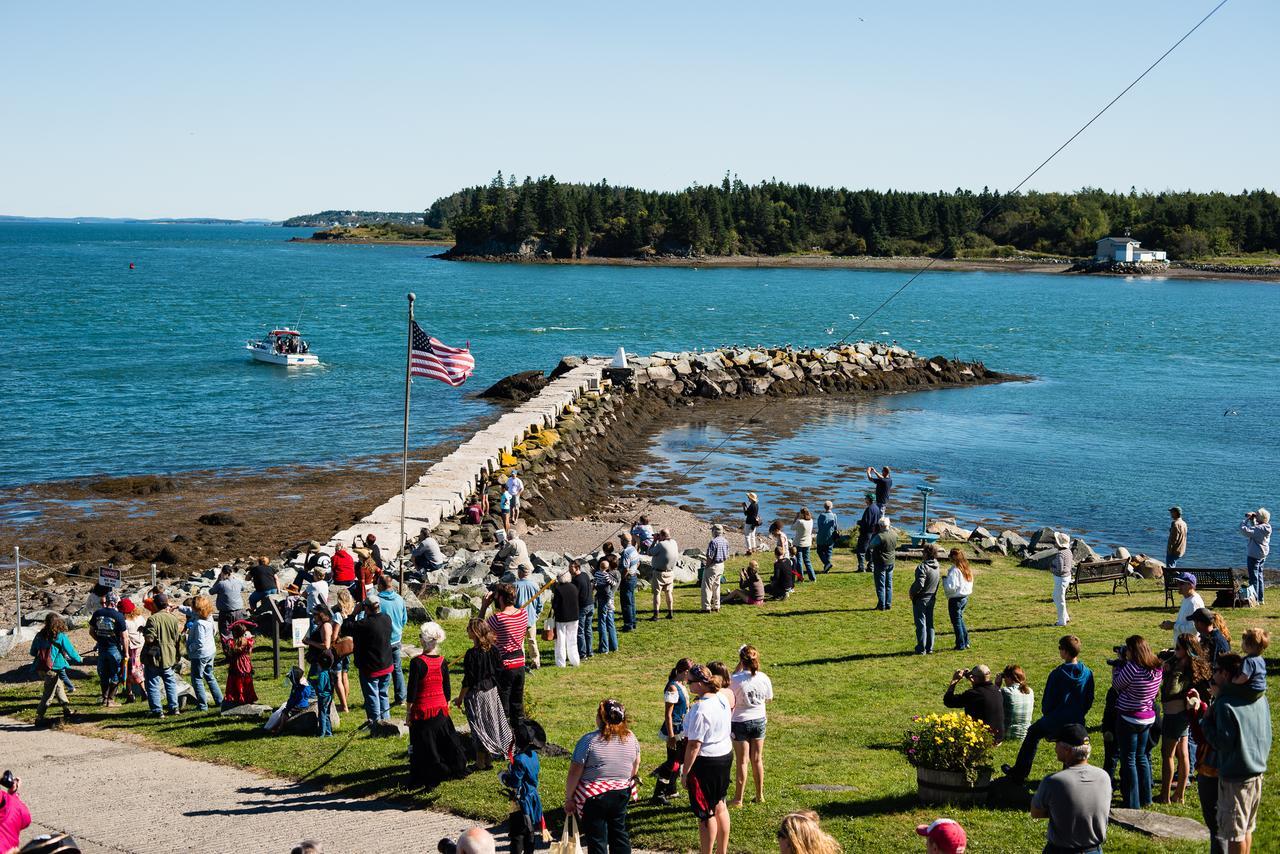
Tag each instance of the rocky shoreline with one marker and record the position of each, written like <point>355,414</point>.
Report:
<point>188,524</point>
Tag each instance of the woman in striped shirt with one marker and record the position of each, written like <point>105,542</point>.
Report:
<point>509,624</point>
<point>1136,676</point>
<point>601,780</point>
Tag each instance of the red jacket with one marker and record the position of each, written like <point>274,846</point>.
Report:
<point>14,818</point>
<point>344,566</point>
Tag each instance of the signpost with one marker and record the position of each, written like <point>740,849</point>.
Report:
<point>109,576</point>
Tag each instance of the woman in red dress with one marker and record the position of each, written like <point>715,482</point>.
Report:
<point>435,752</point>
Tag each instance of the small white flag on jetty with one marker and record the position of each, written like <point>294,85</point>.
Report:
<point>436,360</point>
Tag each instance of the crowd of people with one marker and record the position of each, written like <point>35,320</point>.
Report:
<point>1203,705</point>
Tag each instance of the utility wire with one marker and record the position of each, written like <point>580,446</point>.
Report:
<point>990,212</point>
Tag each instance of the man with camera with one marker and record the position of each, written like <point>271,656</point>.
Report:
<point>980,701</point>
<point>14,815</point>
<point>1256,528</point>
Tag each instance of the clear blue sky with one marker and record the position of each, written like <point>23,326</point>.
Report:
<point>269,109</point>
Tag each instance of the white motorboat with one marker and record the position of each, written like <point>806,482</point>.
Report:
<point>282,347</point>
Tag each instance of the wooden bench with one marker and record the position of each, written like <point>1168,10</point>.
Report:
<point>1097,571</point>
<point>1216,578</point>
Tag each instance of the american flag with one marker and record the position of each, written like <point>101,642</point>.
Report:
<point>439,361</point>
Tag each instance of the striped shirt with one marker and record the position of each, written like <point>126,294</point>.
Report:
<point>511,630</point>
<point>1137,688</point>
<point>606,759</point>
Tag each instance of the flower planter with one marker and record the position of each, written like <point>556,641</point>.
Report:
<point>951,787</point>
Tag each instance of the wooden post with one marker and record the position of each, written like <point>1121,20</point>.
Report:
<point>17,587</point>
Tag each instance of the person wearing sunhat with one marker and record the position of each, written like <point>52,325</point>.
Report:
<point>944,835</point>
<point>1177,545</point>
<point>1075,800</point>
<point>1191,602</point>
<point>1061,567</point>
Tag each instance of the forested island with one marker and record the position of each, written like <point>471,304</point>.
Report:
<point>543,218</point>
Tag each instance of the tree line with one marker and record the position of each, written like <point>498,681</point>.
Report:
<point>774,218</point>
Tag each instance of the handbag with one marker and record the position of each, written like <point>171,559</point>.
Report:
<point>344,646</point>
<point>570,842</point>
<point>549,629</point>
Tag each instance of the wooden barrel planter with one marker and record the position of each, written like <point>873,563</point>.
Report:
<point>951,787</point>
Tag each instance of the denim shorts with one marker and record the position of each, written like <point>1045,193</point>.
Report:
<point>747,730</point>
<point>1174,726</point>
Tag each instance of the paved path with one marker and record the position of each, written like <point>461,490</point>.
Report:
<point>115,797</point>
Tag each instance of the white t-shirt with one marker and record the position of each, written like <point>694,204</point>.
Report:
<point>956,585</point>
<point>804,533</point>
<point>708,722</point>
<point>317,594</point>
<point>785,542</point>
<point>1183,624</point>
<point>752,691</point>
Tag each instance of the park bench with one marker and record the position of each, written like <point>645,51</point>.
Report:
<point>1229,579</point>
<point>1098,571</point>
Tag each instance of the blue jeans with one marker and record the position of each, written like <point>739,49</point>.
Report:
<point>884,588</point>
<point>397,675</point>
<point>1255,575</point>
<point>922,610</point>
<point>628,598</point>
<point>66,679</point>
<point>322,681</point>
<point>1170,561</point>
<point>1036,733</point>
<point>110,658</point>
<point>1135,764</point>
<point>608,632</point>
<point>806,568</point>
<point>584,631</point>
<point>377,706</point>
<point>255,597</point>
<point>202,672</point>
<point>824,555</point>
<point>155,677</point>
<point>955,607</point>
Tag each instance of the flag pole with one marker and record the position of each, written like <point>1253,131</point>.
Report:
<point>404,459</point>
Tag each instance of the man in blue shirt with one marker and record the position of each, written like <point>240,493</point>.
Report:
<point>867,527</point>
<point>827,528</point>
<point>527,598</point>
<point>392,605</point>
<point>883,482</point>
<point>108,629</point>
<point>1066,699</point>
<point>713,569</point>
<point>629,565</point>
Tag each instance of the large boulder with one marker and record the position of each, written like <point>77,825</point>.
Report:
<point>547,560</point>
<point>948,530</point>
<point>1040,558</point>
<point>992,545</point>
<point>686,570</point>
<point>1014,540</point>
<point>417,612</point>
<point>1082,553</point>
<point>979,534</point>
<point>1041,539</point>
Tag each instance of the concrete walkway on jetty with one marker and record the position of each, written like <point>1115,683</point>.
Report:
<point>114,796</point>
<point>442,492</point>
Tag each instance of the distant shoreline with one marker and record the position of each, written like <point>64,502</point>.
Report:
<point>807,262</point>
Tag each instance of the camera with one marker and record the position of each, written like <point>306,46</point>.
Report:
<point>447,846</point>
<point>1122,654</point>
<point>7,781</point>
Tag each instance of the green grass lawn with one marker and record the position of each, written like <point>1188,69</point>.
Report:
<point>846,687</point>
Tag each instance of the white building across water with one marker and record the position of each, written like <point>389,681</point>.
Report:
<point>1126,249</point>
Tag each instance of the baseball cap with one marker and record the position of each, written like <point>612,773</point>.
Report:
<point>1073,734</point>
<point>945,833</point>
<point>1202,615</point>
<point>1185,578</point>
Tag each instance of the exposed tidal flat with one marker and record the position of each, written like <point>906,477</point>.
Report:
<point>119,372</point>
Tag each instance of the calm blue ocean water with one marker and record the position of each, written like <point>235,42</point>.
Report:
<point>111,370</point>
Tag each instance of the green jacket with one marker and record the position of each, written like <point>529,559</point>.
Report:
<point>1240,731</point>
<point>883,548</point>
<point>163,631</point>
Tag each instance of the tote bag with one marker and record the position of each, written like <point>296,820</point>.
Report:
<point>569,843</point>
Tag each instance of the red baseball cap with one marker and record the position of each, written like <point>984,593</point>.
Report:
<point>945,833</point>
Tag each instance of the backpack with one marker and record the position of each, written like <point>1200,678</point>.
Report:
<point>1246,597</point>
<point>103,628</point>
<point>44,658</point>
